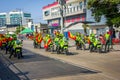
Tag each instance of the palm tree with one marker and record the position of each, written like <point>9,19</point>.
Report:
<point>85,26</point>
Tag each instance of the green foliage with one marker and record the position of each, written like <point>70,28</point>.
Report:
<point>116,21</point>
<point>85,28</point>
<point>108,8</point>
<point>19,29</point>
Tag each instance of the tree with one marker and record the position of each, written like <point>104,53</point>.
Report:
<point>18,29</point>
<point>109,8</point>
<point>85,26</point>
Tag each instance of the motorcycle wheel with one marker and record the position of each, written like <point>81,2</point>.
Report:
<point>18,54</point>
<point>58,50</point>
<point>34,44</point>
<point>77,47</point>
<point>66,51</point>
<point>99,50</point>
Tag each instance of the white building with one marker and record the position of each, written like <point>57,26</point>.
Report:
<point>14,19</point>
<point>75,14</point>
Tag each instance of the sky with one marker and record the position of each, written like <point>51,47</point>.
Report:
<point>31,6</point>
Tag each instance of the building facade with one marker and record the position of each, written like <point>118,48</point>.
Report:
<point>3,19</point>
<point>41,27</point>
<point>75,14</point>
<point>19,17</point>
<point>14,19</point>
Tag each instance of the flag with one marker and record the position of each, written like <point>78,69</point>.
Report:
<point>48,42</point>
<point>70,35</point>
<point>39,38</point>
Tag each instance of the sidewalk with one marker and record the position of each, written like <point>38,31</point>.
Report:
<point>6,73</point>
<point>107,64</point>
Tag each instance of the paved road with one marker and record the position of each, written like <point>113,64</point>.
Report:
<point>82,65</point>
<point>107,65</point>
<point>36,66</point>
<point>6,73</point>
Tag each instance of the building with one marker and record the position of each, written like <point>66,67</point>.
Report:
<point>75,14</point>
<point>41,27</point>
<point>19,17</point>
<point>14,19</point>
<point>3,19</point>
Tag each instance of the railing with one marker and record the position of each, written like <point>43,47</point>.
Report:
<point>67,11</point>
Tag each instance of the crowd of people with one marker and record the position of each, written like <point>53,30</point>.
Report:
<point>92,42</point>
<point>59,43</point>
<point>11,45</point>
<point>95,42</point>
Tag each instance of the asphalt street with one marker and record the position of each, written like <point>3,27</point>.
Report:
<point>6,73</point>
<point>36,66</point>
<point>107,65</point>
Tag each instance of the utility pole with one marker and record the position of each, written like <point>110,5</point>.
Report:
<point>118,8</point>
<point>62,3</point>
<point>20,20</point>
<point>62,19</point>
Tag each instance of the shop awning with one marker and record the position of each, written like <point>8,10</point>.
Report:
<point>25,31</point>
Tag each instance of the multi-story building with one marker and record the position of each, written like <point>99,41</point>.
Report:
<point>3,19</point>
<point>14,19</point>
<point>19,17</point>
<point>75,14</point>
<point>41,27</point>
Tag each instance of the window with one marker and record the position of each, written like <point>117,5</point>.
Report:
<point>80,5</point>
<point>70,10</point>
<point>85,3</point>
<point>47,13</point>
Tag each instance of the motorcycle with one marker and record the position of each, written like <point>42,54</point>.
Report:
<point>36,45</point>
<point>99,48</point>
<point>63,49</point>
<point>18,52</point>
<point>96,48</point>
<point>50,47</point>
<point>78,45</point>
<point>3,46</point>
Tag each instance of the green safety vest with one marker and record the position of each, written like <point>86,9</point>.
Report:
<point>56,40</point>
<point>9,43</point>
<point>61,42</point>
<point>17,45</point>
<point>78,38</point>
<point>92,39</point>
<point>95,42</point>
<point>107,36</point>
<point>13,42</point>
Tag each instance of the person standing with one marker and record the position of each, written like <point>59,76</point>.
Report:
<point>107,44</point>
<point>119,34</point>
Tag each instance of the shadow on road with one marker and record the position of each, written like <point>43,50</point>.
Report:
<point>41,67</point>
<point>6,73</point>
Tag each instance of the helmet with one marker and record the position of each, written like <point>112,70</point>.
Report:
<point>17,42</point>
